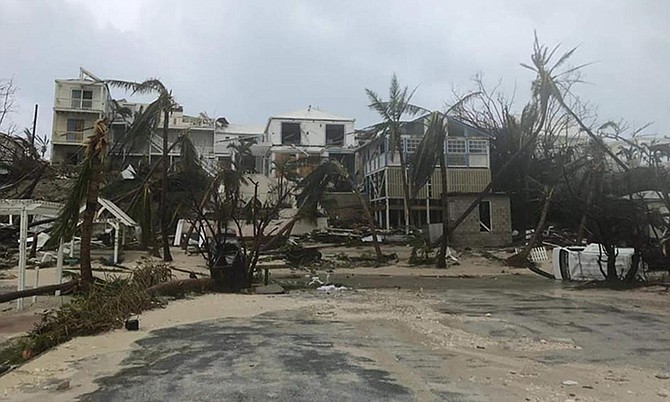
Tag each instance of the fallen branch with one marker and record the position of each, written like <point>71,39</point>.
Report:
<point>40,291</point>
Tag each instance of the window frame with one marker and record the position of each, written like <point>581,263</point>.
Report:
<point>299,133</point>
<point>483,228</point>
<point>341,140</point>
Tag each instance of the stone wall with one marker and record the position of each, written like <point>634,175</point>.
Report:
<point>468,234</point>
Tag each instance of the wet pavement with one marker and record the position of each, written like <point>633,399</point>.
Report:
<point>289,356</point>
<point>277,357</point>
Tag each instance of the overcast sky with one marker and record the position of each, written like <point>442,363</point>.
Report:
<point>247,60</point>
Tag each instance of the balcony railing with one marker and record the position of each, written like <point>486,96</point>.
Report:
<point>78,104</point>
<point>71,137</point>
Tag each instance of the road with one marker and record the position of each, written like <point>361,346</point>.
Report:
<point>487,339</point>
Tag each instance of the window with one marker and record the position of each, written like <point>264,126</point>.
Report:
<point>479,153</point>
<point>75,128</point>
<point>82,99</point>
<point>411,144</point>
<point>456,155</point>
<point>290,133</point>
<point>334,134</point>
<point>485,216</point>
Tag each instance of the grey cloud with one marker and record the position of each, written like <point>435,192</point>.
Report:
<point>248,60</point>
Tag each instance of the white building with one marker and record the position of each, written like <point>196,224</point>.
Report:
<point>309,134</point>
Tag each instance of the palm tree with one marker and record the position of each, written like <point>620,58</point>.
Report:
<point>86,188</point>
<point>145,125</point>
<point>392,112</point>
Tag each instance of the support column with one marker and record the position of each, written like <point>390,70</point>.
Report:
<point>427,210</point>
<point>23,242</point>
<point>72,247</point>
<point>116,243</point>
<point>388,213</point>
<point>59,264</point>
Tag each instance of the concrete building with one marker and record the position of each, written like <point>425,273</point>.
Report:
<point>78,103</point>
<point>468,170</point>
<point>306,134</point>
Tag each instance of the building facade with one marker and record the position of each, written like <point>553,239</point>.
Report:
<point>308,135</point>
<point>468,173</point>
<point>78,103</point>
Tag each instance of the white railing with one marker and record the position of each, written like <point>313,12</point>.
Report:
<point>78,104</point>
<point>69,137</point>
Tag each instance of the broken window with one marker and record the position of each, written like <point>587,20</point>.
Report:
<point>290,133</point>
<point>456,152</point>
<point>82,99</point>
<point>485,216</point>
<point>334,134</point>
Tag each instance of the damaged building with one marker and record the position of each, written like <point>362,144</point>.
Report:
<point>469,172</point>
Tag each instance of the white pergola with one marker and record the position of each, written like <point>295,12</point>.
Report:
<point>108,213</point>
<point>24,209</point>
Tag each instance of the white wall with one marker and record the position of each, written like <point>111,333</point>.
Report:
<point>313,132</point>
<point>63,94</point>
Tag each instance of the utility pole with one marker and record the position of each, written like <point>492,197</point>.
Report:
<point>32,138</point>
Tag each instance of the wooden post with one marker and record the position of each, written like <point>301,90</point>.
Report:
<point>23,242</point>
<point>116,242</point>
<point>59,264</point>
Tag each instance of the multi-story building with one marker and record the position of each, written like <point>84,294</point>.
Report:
<point>78,103</point>
<point>307,134</point>
<point>468,173</point>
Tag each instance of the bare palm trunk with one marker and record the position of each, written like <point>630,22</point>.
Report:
<point>371,224</point>
<point>87,221</point>
<point>440,261</point>
<point>405,190</point>
<point>540,226</point>
<point>167,257</point>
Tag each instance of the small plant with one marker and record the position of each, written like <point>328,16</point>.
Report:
<point>421,248</point>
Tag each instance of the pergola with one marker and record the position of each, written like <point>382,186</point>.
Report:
<point>24,209</point>
<point>108,213</point>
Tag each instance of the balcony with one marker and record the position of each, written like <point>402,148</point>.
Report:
<point>69,137</point>
<point>79,104</point>
<point>458,181</point>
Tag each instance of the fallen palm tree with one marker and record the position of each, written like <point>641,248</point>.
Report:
<point>103,306</point>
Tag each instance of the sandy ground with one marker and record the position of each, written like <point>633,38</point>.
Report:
<point>504,368</point>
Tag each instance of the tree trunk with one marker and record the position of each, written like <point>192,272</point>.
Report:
<point>167,257</point>
<point>371,223</point>
<point>539,227</point>
<point>405,189</point>
<point>42,290</point>
<point>612,276</point>
<point>87,220</point>
<point>440,261</point>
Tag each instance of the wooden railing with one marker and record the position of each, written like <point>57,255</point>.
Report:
<point>458,180</point>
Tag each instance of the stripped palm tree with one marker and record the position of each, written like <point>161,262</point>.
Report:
<point>86,188</point>
<point>145,125</point>
<point>392,112</point>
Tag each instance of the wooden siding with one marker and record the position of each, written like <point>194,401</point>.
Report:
<point>459,181</point>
